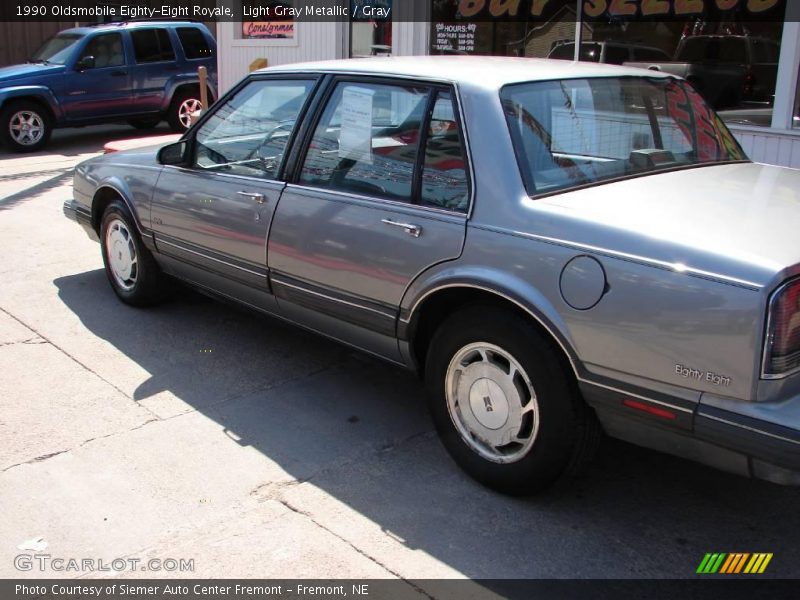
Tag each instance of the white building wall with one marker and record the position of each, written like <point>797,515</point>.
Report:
<point>312,41</point>
<point>770,146</point>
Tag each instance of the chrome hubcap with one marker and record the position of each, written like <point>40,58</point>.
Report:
<point>26,127</point>
<point>122,259</point>
<point>187,109</point>
<point>492,403</point>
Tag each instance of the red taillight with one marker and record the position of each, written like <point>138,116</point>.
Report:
<point>782,352</point>
<point>749,84</point>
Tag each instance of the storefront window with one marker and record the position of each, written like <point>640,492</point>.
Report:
<point>730,56</point>
<point>370,35</point>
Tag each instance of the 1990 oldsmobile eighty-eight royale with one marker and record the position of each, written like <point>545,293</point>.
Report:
<point>558,249</point>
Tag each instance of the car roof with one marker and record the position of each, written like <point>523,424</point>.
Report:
<point>131,25</point>
<point>481,71</point>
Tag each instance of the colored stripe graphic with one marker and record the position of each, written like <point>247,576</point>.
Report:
<point>758,564</point>
<point>733,563</point>
<point>711,563</point>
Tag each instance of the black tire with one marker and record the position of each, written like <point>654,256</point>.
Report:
<point>566,431</point>
<point>174,113</point>
<point>146,284</point>
<point>145,123</point>
<point>41,118</point>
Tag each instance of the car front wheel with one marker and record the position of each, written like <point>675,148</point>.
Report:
<point>25,126</point>
<point>130,268</point>
<point>503,402</point>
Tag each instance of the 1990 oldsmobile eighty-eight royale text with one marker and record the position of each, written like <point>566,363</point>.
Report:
<point>557,248</point>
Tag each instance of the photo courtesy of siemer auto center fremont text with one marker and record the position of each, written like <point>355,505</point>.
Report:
<point>414,299</point>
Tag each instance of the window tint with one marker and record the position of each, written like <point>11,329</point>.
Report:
<point>444,173</point>
<point>765,51</point>
<point>367,139</point>
<point>106,49</point>
<point>152,45</point>
<point>576,132</point>
<point>194,43</point>
<point>248,134</point>
<point>563,52</point>
<point>616,55</point>
<point>645,54</point>
<point>714,49</point>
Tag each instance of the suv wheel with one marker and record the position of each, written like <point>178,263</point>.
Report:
<point>25,126</point>
<point>183,106</point>
<point>505,406</point>
<point>130,268</point>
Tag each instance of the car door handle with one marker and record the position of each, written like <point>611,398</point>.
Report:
<point>119,73</point>
<point>410,228</point>
<point>259,198</point>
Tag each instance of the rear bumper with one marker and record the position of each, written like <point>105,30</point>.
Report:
<point>81,215</point>
<point>756,439</point>
<point>767,432</point>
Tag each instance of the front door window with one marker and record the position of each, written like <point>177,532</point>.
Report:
<point>248,134</point>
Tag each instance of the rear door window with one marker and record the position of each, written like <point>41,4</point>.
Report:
<point>194,43</point>
<point>152,45</point>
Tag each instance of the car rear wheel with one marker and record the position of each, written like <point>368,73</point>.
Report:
<point>25,126</point>
<point>132,271</point>
<point>184,105</point>
<point>505,405</point>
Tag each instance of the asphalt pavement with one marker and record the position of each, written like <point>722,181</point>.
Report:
<point>202,432</point>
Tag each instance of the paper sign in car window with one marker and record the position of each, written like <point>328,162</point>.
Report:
<point>355,136</point>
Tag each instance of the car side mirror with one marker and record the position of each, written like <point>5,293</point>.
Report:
<point>173,154</point>
<point>87,62</point>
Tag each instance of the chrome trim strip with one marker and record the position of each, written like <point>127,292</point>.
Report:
<point>753,429</point>
<point>292,322</point>
<point>473,185</point>
<point>638,396</point>
<point>765,348</point>
<point>676,267</point>
<point>512,300</point>
<point>160,240</point>
<point>340,301</point>
<point>278,184</point>
<point>350,196</point>
<point>567,353</point>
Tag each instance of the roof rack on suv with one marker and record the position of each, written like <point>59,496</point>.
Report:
<point>143,20</point>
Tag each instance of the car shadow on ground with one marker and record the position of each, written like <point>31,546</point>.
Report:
<point>357,429</point>
<point>74,141</point>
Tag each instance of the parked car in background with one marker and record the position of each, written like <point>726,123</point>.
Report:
<point>613,53</point>
<point>139,72</point>
<point>728,70</point>
<point>550,268</point>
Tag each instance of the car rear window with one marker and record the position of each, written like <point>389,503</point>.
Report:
<point>578,132</point>
<point>194,43</point>
<point>152,45</point>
